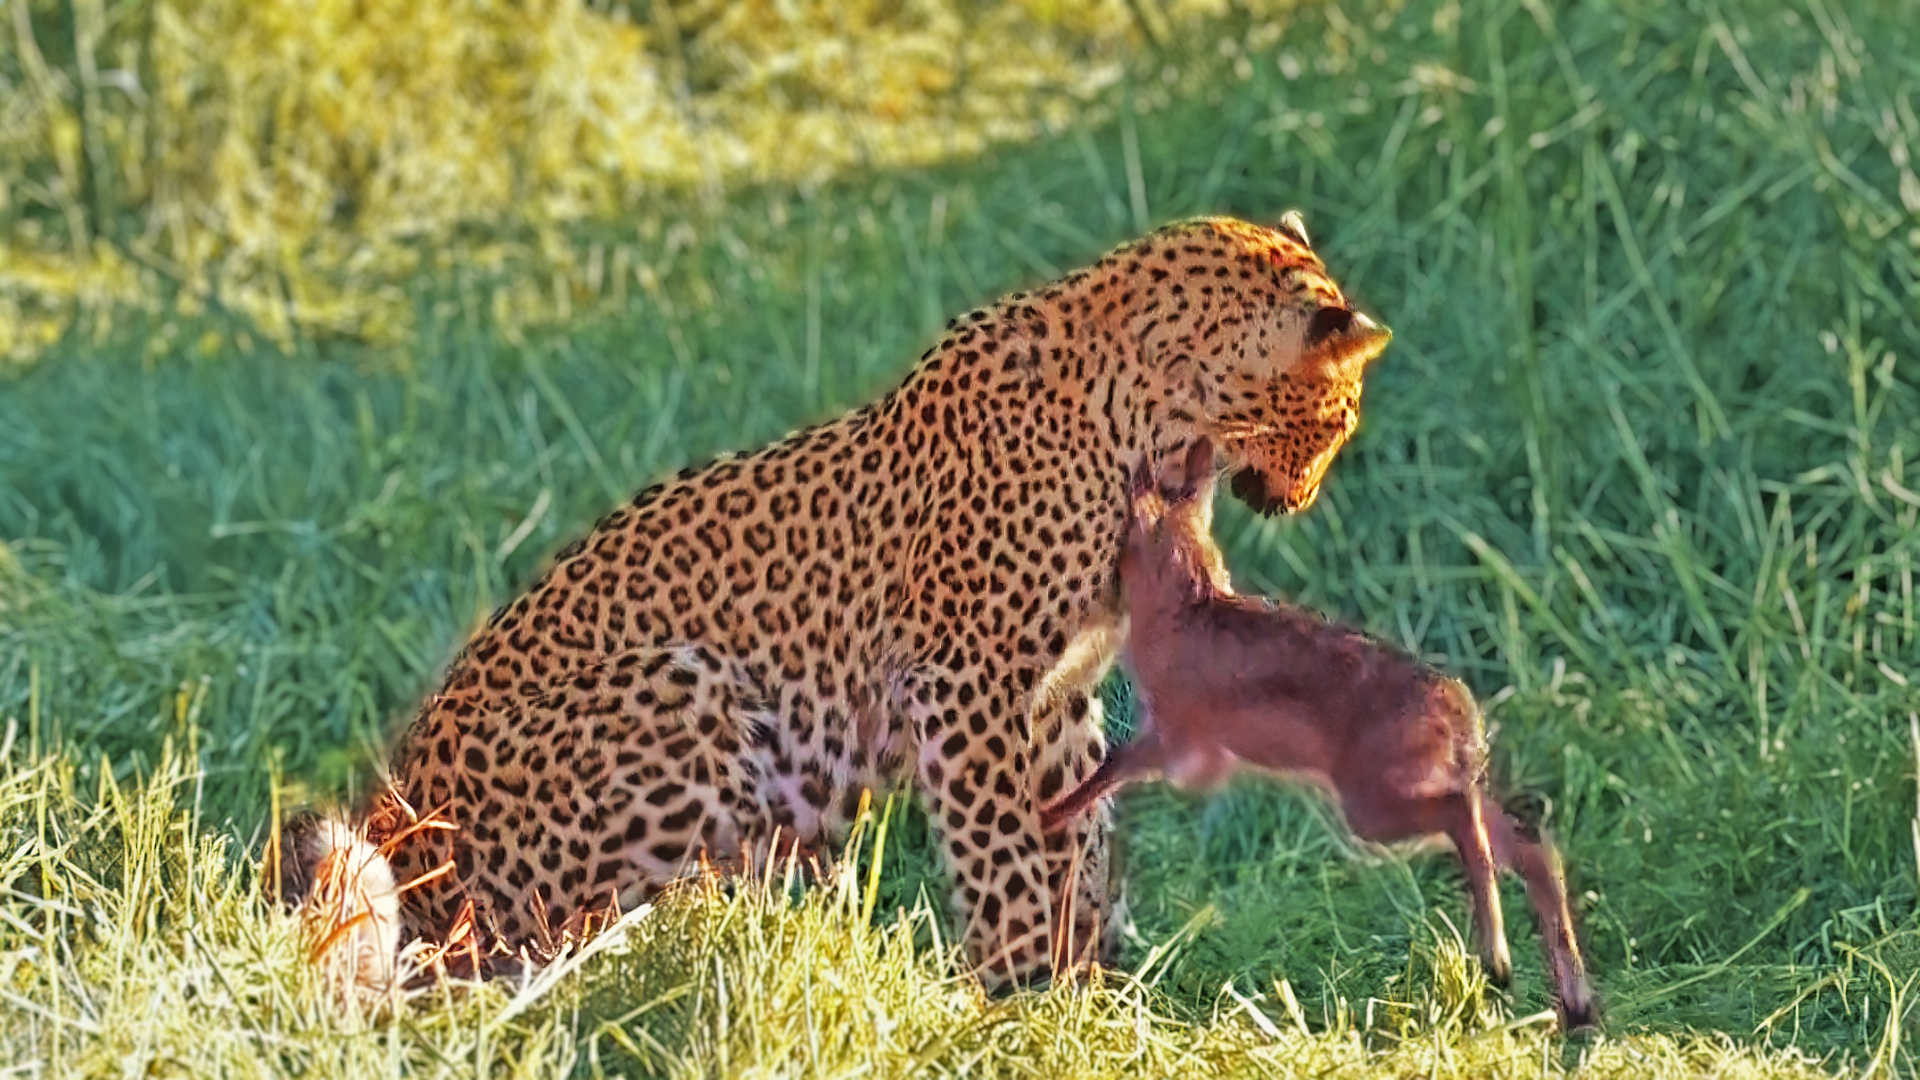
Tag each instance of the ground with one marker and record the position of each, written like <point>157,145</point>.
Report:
<point>1638,468</point>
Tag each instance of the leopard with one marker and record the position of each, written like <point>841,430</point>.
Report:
<point>920,595</point>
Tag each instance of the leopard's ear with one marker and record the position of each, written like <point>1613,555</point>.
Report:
<point>1295,226</point>
<point>1340,337</point>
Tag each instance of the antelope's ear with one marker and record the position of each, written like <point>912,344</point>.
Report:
<point>1146,504</point>
<point>1141,480</point>
<point>1196,468</point>
<point>1199,463</point>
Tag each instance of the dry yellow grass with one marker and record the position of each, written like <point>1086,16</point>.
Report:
<point>279,157</point>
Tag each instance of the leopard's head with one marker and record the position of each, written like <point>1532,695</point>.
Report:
<point>1260,352</point>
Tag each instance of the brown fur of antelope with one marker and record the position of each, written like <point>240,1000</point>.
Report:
<point>1228,682</point>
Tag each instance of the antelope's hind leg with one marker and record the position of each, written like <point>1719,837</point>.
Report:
<point>1518,846</point>
<point>1468,829</point>
<point>1377,814</point>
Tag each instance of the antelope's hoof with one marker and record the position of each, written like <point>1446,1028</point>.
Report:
<point>1577,1010</point>
<point>1499,968</point>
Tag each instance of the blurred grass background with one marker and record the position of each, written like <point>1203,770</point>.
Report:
<point>1635,467</point>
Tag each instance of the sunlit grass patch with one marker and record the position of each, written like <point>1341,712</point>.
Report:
<point>131,942</point>
<point>290,162</point>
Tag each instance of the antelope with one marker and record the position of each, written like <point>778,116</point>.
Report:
<point>1228,682</point>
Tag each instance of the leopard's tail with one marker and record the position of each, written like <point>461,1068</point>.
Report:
<point>342,888</point>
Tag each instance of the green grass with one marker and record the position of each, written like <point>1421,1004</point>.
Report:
<point>1637,467</point>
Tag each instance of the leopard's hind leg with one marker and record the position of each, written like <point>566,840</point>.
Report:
<point>575,798</point>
